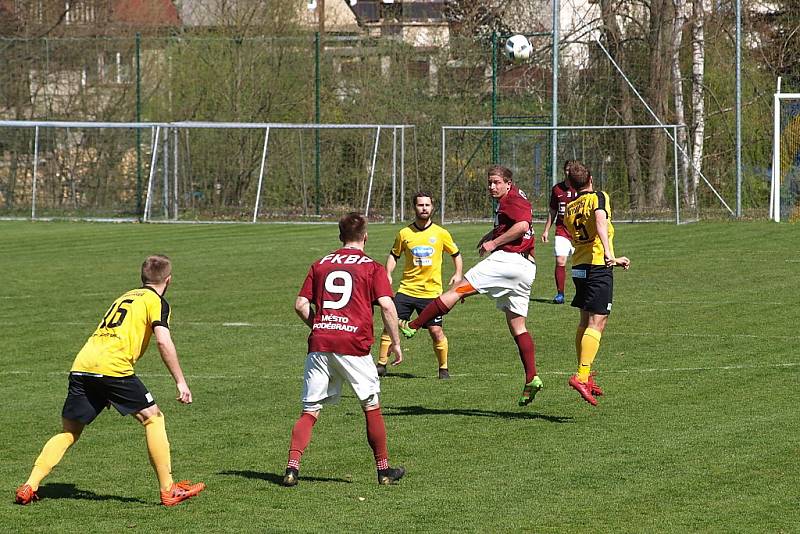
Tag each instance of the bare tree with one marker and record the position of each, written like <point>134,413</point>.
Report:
<point>677,91</point>
<point>698,109</point>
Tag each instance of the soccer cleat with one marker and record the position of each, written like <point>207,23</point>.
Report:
<point>381,369</point>
<point>530,390</point>
<point>583,388</point>
<point>291,477</point>
<point>390,475</point>
<point>25,495</point>
<point>180,491</point>
<point>406,330</point>
<point>596,390</point>
<point>443,374</point>
<point>559,298</point>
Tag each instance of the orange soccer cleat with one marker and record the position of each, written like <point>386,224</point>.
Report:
<point>596,390</point>
<point>583,388</point>
<point>180,491</point>
<point>25,495</point>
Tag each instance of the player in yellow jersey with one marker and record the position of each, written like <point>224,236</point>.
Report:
<point>588,220</point>
<point>423,244</point>
<point>102,376</point>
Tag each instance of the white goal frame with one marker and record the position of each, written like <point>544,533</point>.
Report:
<point>775,182</point>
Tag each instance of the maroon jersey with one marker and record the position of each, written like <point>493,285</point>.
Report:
<point>513,208</point>
<point>561,195</point>
<point>343,286</point>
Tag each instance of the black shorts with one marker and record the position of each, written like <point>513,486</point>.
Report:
<point>407,305</point>
<point>89,394</point>
<point>594,288</point>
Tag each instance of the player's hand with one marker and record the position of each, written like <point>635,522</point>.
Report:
<point>545,239</point>
<point>623,262</point>
<point>184,393</point>
<point>455,280</point>
<point>486,247</point>
<point>398,354</point>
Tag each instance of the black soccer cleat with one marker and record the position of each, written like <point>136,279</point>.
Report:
<point>291,477</point>
<point>443,374</point>
<point>381,369</point>
<point>391,475</point>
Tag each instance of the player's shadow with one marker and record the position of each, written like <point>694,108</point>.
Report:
<point>542,300</point>
<point>404,375</point>
<point>69,491</point>
<point>472,412</point>
<point>276,478</point>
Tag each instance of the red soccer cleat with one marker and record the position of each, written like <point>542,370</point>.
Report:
<point>583,388</point>
<point>180,491</point>
<point>25,495</point>
<point>596,390</point>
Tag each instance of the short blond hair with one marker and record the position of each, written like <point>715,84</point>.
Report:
<point>156,269</point>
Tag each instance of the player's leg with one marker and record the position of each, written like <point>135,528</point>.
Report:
<point>376,436</point>
<point>442,304</point>
<point>404,306</point>
<point>595,294</point>
<point>322,383</point>
<point>560,276</point>
<point>527,354</point>
<point>440,349</point>
<point>51,454</point>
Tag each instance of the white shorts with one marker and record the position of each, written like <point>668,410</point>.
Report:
<point>506,277</point>
<point>562,246</point>
<point>326,371</point>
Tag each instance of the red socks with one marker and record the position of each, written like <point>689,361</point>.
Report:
<point>561,275</point>
<point>376,435</point>
<point>431,311</point>
<point>527,353</point>
<point>301,437</point>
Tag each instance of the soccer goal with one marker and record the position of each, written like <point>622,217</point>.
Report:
<point>201,172</point>
<point>654,194</point>
<point>785,186</point>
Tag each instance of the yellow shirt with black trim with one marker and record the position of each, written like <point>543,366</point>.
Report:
<point>423,249</point>
<point>123,334</point>
<point>581,222</point>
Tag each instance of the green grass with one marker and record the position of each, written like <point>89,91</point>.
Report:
<point>697,431</point>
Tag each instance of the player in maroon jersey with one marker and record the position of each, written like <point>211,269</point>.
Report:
<point>336,303</point>
<point>561,195</point>
<point>506,274</point>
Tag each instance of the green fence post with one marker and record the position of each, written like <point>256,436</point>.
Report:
<point>317,84</point>
<point>137,52</point>
<point>495,136</point>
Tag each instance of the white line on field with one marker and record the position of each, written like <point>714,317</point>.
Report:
<point>564,373</point>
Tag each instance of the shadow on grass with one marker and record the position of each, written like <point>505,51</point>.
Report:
<point>542,300</point>
<point>471,412</point>
<point>69,491</point>
<point>276,478</point>
<point>405,375</point>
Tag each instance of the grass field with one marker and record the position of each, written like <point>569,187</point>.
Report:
<point>698,430</point>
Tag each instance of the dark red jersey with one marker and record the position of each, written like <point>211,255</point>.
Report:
<point>343,286</point>
<point>513,208</point>
<point>561,195</point>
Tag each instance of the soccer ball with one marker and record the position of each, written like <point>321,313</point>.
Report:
<point>518,48</point>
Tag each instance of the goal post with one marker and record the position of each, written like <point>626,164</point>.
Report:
<point>526,150</point>
<point>201,171</point>
<point>784,202</point>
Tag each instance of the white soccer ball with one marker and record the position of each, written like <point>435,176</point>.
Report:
<point>518,48</point>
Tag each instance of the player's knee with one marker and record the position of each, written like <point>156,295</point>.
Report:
<point>371,403</point>
<point>312,408</point>
<point>148,413</point>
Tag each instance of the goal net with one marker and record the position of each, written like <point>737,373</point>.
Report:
<point>785,191</point>
<point>201,172</point>
<point>526,150</point>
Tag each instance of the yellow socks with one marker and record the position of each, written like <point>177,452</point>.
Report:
<point>590,344</point>
<point>386,342</point>
<point>51,454</point>
<point>440,349</point>
<point>155,432</point>
<point>578,339</point>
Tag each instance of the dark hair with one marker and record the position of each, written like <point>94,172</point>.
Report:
<point>568,164</point>
<point>578,175</point>
<point>352,227</point>
<point>420,194</point>
<point>501,171</point>
<point>156,269</point>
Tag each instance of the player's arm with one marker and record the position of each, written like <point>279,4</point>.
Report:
<point>485,238</point>
<point>302,307</point>
<point>551,216</point>
<point>169,355</point>
<point>601,223</point>
<point>391,263</point>
<point>389,316</point>
<point>458,265</point>
<point>512,234</point>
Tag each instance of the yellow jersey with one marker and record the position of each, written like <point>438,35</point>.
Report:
<point>581,223</point>
<point>123,334</point>
<point>422,248</point>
